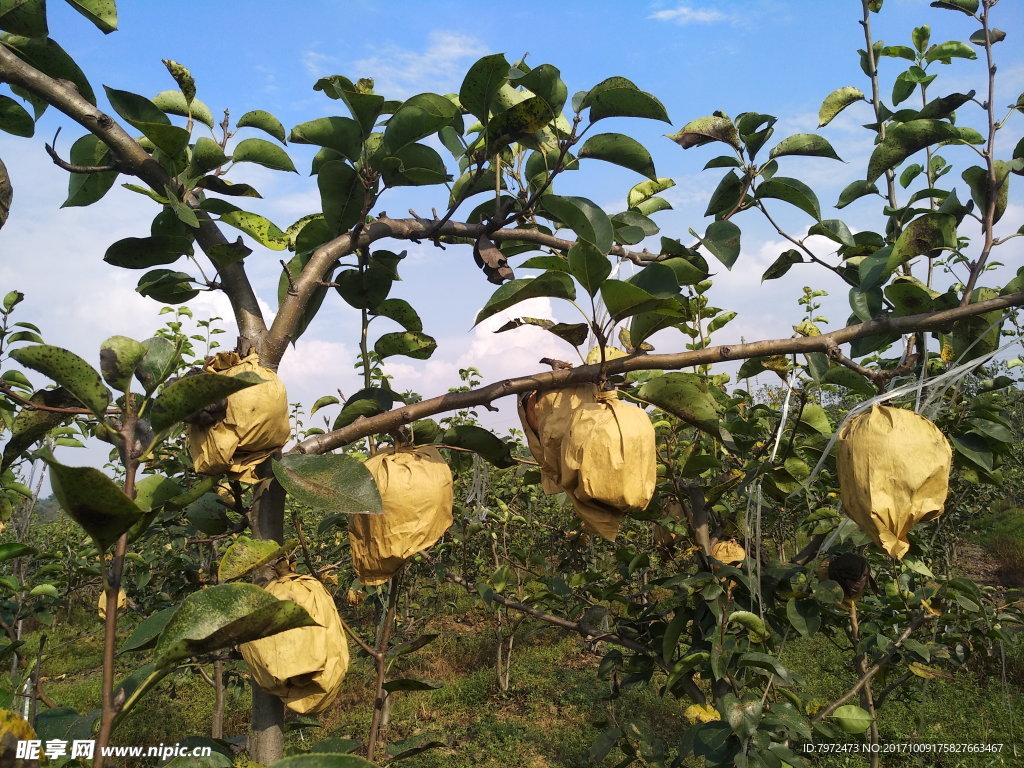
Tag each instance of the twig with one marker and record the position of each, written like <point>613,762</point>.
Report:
<point>870,673</point>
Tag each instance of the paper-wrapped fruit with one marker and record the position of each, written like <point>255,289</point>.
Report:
<point>545,417</point>
<point>255,422</point>
<point>305,666</point>
<point>893,473</point>
<point>415,487</point>
<point>609,462</point>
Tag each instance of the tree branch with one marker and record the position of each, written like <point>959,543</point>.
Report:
<point>130,157</point>
<point>387,422</point>
<point>327,255</point>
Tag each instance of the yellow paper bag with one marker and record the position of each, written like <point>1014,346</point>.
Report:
<point>893,473</point>
<point>255,426</point>
<point>609,463</point>
<point>552,410</point>
<point>415,487</point>
<point>305,666</point>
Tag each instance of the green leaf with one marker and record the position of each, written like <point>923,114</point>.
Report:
<point>704,130</point>
<point>259,118</point>
<point>401,312</point>
<point>589,266</point>
<point>263,153</point>
<point>342,134</point>
<point>909,296</point>
<point>944,106</point>
<point>835,230</point>
<point>623,299</point>
<point>153,491</point>
<point>855,190</point>
<point>49,58</point>
<point>408,684</point>
<point>546,82</point>
<point>10,550</point>
<point>413,165</point>
<point>970,7</point>
<point>102,13</point>
<point>92,499</point>
<point>187,395</point>
<point>836,102</point>
<point>904,139</point>
<point>146,634</point>
<point>119,355</point>
<point>166,286</point>
<point>365,107</point>
<point>207,514</point>
<point>555,284</point>
<point>262,230</point>
<point>207,155</point>
<point>24,17</point>
<point>722,238</point>
<point>246,554</point>
<point>87,188</point>
<point>341,194</point>
<point>174,103</point>
<point>574,333</point>
<point>146,252</point>
<point>364,403</point>
<point>147,117</point>
<point>726,196</point>
<point>516,123</point>
<point>687,396</point>
<point>587,220</point>
<point>806,144</point>
<point>14,119</point>
<point>851,380</point>
<point>646,190</point>
<point>866,304</point>
<point>324,761</point>
<point>159,362</point>
<point>223,187</point>
<point>951,49</point>
<point>477,439</point>
<point>45,589</point>
<point>851,718</point>
<point>222,616</point>
<point>792,191</point>
<point>32,425</point>
<point>618,149</point>
<point>333,482</point>
<point>977,179</point>
<point>924,236</point>
<point>482,83</point>
<point>69,370</point>
<point>804,615</point>
<point>619,97</point>
<point>412,344</point>
<point>366,289</point>
<point>782,265</point>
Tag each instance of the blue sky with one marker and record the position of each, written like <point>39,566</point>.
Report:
<point>769,56</point>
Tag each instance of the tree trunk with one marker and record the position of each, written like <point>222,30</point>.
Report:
<point>266,731</point>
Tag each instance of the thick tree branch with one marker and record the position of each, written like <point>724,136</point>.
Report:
<point>130,157</point>
<point>387,422</point>
<point>385,227</point>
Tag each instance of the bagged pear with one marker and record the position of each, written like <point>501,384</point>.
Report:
<point>545,417</point>
<point>893,473</point>
<point>609,463</point>
<point>415,487</point>
<point>305,666</point>
<point>728,551</point>
<point>254,426</point>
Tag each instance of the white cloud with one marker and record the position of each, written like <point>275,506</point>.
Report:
<point>684,14</point>
<point>399,73</point>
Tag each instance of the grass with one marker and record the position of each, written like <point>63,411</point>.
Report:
<point>554,709</point>
<point>1002,534</point>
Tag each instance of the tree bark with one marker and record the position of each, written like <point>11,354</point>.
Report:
<point>266,730</point>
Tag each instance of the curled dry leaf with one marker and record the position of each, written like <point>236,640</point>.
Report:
<point>492,261</point>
